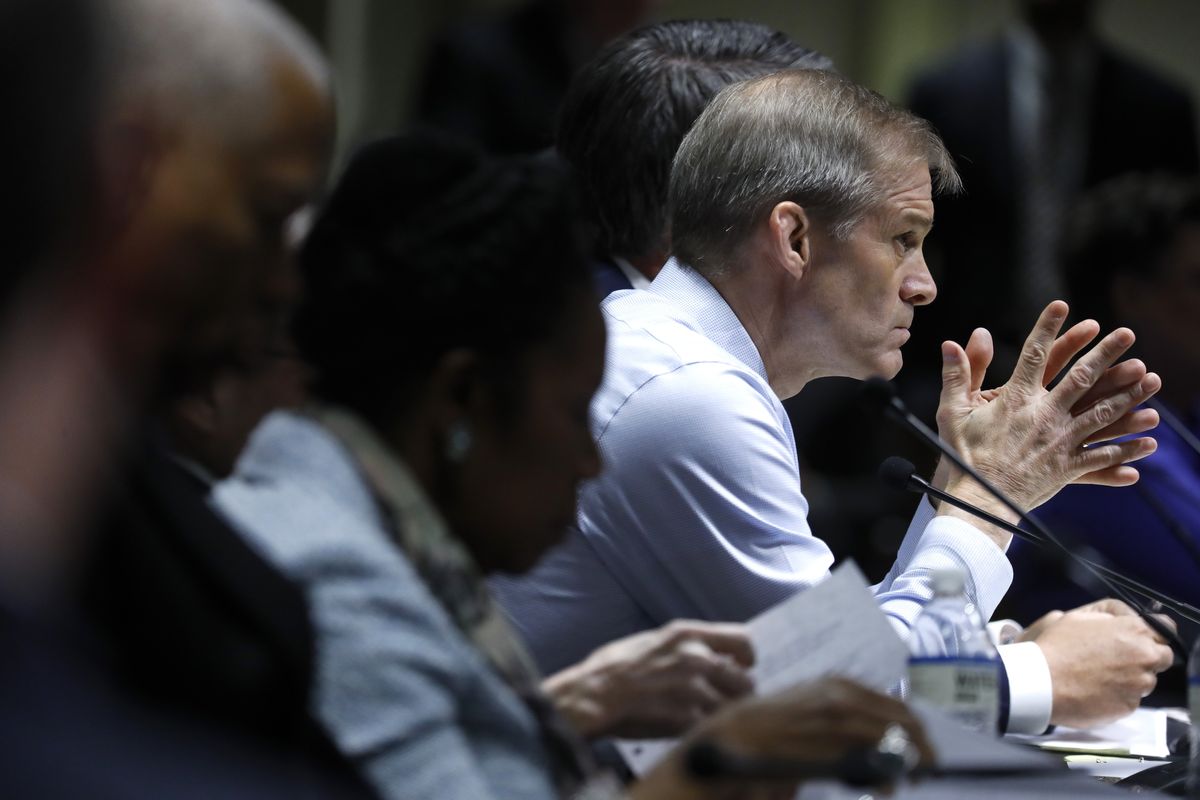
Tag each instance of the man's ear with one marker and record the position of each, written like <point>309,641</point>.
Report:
<point>790,239</point>
<point>130,150</point>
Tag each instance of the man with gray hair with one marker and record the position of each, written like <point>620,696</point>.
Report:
<point>799,205</point>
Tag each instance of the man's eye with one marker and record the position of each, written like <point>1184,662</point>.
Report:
<point>907,241</point>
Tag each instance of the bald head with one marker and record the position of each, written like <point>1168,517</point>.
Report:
<point>204,62</point>
<point>217,127</point>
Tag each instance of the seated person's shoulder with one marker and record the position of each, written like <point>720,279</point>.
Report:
<point>654,354</point>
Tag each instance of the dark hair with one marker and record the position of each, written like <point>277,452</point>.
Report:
<point>425,246</point>
<point>627,111</point>
<point>1124,227</point>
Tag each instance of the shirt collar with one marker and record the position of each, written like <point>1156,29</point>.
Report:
<point>711,314</point>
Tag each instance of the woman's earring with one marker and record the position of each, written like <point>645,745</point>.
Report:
<point>458,442</point>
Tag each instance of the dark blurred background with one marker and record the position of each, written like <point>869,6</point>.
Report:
<point>380,47</point>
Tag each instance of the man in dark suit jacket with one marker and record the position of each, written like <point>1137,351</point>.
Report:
<point>189,618</point>
<point>1033,119</point>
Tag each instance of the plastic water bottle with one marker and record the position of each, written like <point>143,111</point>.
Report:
<point>1193,773</point>
<point>954,665</point>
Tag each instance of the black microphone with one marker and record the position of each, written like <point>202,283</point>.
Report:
<point>880,393</point>
<point>899,473</point>
<point>707,761</point>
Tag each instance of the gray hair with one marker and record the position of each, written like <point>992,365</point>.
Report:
<point>811,137</point>
<point>201,61</point>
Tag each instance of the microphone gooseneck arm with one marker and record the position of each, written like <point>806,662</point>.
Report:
<point>881,393</point>
<point>899,474</point>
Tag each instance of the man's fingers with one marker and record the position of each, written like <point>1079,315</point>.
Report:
<point>1117,377</point>
<point>1109,605</point>
<point>956,381</point>
<point>1067,346</point>
<point>1120,475</point>
<point>727,638</point>
<point>729,679</point>
<point>695,694</point>
<point>1167,623</point>
<point>1088,370</point>
<point>1035,355</point>
<point>1166,657</point>
<point>1139,421</point>
<point>979,356</point>
<point>1113,454</point>
<point>1110,410</point>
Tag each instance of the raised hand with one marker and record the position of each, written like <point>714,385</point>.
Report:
<point>1032,440</point>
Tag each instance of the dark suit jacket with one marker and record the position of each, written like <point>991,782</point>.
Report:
<point>194,621</point>
<point>1139,122</point>
<point>608,277</point>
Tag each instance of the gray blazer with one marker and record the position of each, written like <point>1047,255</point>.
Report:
<point>399,688</point>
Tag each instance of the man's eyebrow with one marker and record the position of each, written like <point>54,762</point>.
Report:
<point>918,218</point>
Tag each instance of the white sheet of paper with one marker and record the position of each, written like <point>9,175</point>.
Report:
<point>834,628</point>
<point>1142,733</point>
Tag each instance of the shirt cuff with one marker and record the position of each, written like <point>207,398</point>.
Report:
<point>1004,631</point>
<point>1031,691</point>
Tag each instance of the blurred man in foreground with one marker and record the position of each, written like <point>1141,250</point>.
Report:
<point>117,272</point>
<point>215,129</point>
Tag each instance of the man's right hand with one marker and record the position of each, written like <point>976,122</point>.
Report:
<point>1031,441</point>
<point>1103,660</point>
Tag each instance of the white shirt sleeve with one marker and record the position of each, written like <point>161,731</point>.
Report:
<point>937,542</point>
<point>1030,687</point>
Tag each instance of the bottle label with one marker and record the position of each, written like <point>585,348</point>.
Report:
<point>968,689</point>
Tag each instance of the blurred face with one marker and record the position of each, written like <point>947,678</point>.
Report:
<point>864,289</point>
<point>210,231</point>
<point>518,486</point>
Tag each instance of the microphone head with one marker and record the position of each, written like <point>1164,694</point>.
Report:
<point>877,393</point>
<point>896,472</point>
